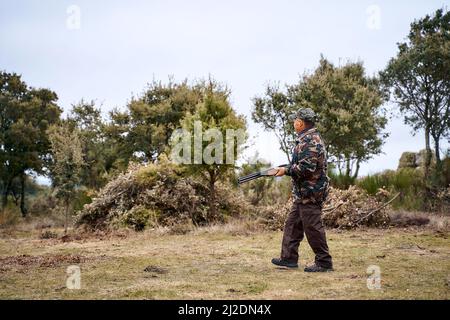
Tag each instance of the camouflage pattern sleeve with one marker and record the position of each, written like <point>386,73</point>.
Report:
<point>306,157</point>
<point>308,168</point>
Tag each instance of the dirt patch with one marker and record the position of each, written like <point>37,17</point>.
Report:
<point>48,234</point>
<point>87,236</point>
<point>416,249</point>
<point>23,262</point>
<point>156,269</point>
<point>100,235</point>
<point>404,219</point>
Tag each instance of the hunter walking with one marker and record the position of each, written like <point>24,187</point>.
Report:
<point>308,169</point>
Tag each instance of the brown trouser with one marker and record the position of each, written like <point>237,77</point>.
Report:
<point>305,219</point>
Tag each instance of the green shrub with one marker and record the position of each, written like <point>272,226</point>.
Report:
<point>340,181</point>
<point>139,218</point>
<point>445,179</point>
<point>372,183</point>
<point>42,204</point>
<point>83,196</point>
<point>48,234</point>
<point>408,181</point>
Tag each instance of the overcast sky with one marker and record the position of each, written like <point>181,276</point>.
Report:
<point>116,47</point>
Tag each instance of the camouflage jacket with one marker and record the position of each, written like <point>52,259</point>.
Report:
<point>308,168</point>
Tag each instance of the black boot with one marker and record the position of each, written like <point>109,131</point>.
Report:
<point>283,263</point>
<point>316,268</point>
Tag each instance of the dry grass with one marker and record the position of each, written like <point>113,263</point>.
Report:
<point>230,261</point>
<point>13,225</point>
<point>8,217</point>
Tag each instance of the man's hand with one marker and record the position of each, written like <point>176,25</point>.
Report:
<point>281,172</point>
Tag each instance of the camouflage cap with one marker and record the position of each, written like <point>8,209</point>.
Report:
<point>305,114</point>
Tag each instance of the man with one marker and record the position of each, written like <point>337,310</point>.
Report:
<point>308,169</point>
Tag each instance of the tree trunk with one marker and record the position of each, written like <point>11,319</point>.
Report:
<point>339,165</point>
<point>436,151</point>
<point>427,152</point>
<point>439,177</point>
<point>5,194</point>
<point>355,175</point>
<point>347,174</point>
<point>67,216</point>
<point>347,168</point>
<point>16,197</point>
<point>212,196</point>
<point>23,210</point>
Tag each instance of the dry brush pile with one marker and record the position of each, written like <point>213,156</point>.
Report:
<point>346,209</point>
<point>157,194</point>
<point>355,207</point>
<point>162,195</point>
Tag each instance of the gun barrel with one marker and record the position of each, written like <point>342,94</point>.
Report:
<point>256,175</point>
<point>249,177</point>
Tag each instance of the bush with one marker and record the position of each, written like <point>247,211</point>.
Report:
<point>408,181</point>
<point>372,183</point>
<point>43,204</point>
<point>48,235</point>
<point>83,196</point>
<point>139,218</point>
<point>158,194</point>
<point>9,216</point>
<point>446,171</point>
<point>340,181</point>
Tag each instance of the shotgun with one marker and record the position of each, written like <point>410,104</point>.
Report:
<point>266,173</point>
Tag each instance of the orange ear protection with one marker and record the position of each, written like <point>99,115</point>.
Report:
<point>299,125</point>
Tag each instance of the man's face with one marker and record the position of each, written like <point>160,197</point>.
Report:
<point>299,125</point>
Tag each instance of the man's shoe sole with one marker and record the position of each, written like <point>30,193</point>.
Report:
<point>322,270</point>
<point>286,266</point>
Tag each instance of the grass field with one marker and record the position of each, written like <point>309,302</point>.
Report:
<point>223,262</point>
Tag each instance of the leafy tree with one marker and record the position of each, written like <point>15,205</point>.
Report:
<point>216,117</point>
<point>142,131</point>
<point>25,115</point>
<point>154,116</point>
<point>117,147</point>
<point>31,188</point>
<point>87,119</point>
<point>272,111</point>
<point>256,189</point>
<point>348,104</point>
<point>66,168</point>
<point>419,79</point>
